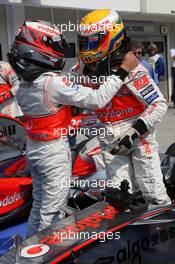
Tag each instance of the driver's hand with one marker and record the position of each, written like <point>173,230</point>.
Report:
<point>129,62</point>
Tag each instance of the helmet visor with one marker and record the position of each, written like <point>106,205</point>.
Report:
<point>91,42</point>
<point>57,43</point>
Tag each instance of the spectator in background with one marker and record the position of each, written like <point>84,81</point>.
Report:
<point>172,54</point>
<point>9,84</point>
<point>157,61</point>
<point>138,48</point>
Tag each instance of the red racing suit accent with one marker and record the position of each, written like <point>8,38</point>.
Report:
<point>4,88</point>
<point>5,93</point>
<point>89,159</point>
<point>124,105</point>
<point>48,127</point>
<point>9,85</point>
<point>82,167</point>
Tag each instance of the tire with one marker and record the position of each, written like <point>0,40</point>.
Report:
<point>170,184</point>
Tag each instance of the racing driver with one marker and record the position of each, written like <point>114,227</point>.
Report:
<point>9,84</point>
<point>132,114</point>
<point>45,97</point>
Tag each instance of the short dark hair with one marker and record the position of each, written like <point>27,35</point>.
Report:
<point>136,45</point>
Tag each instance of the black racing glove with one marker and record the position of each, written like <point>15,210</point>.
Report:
<point>124,144</point>
<point>122,201</point>
<point>121,73</point>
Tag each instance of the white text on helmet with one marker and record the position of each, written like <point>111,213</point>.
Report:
<point>48,30</point>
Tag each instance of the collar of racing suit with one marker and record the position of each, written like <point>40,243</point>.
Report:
<point>132,74</point>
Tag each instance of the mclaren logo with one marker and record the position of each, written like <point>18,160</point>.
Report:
<point>29,124</point>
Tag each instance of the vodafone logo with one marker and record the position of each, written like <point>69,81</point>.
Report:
<point>34,251</point>
<point>11,199</point>
<point>48,30</point>
<point>44,28</point>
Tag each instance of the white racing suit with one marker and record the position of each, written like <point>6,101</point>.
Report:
<point>9,84</point>
<point>140,98</point>
<point>45,104</point>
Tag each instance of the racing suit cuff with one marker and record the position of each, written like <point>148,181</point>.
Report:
<point>140,127</point>
<point>5,97</point>
<point>121,73</point>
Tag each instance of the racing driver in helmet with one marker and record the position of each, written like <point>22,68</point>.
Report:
<point>45,96</point>
<point>132,113</point>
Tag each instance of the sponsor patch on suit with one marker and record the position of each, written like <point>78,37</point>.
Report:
<point>147,90</point>
<point>142,82</point>
<point>152,97</point>
<point>75,87</point>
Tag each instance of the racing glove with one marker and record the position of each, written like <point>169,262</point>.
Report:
<point>121,73</point>
<point>122,201</point>
<point>124,144</point>
<point>6,96</point>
